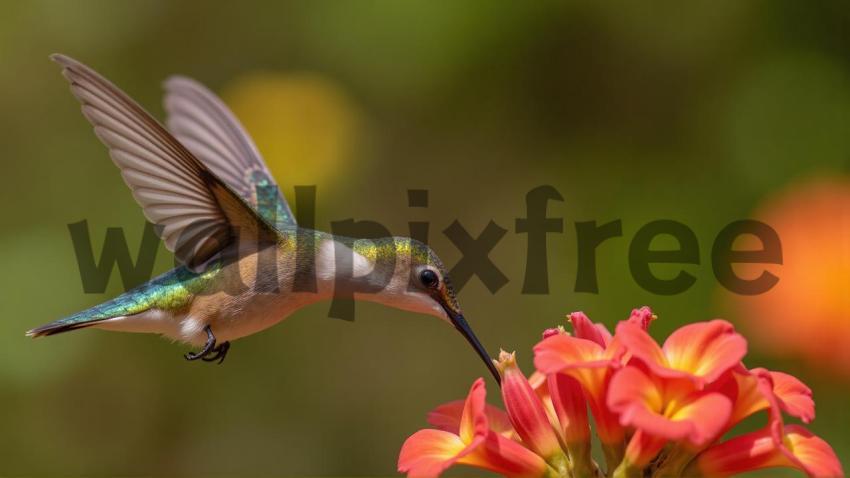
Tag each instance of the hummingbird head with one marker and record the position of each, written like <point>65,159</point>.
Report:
<point>421,284</point>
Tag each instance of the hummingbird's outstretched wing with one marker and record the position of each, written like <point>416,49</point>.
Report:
<point>202,122</point>
<point>198,214</point>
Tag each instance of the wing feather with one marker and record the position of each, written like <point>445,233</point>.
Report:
<point>204,124</point>
<point>197,213</point>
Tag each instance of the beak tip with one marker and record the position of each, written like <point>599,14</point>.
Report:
<point>463,327</point>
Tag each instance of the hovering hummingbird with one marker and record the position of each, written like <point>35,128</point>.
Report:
<point>216,206</point>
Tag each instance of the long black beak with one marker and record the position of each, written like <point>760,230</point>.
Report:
<point>463,327</point>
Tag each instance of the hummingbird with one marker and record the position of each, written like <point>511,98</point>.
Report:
<point>241,255</point>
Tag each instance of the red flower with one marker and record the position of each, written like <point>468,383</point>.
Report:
<point>666,410</point>
<point>590,359</point>
<point>701,352</point>
<point>430,452</point>
<point>658,410</point>
<point>526,410</point>
<point>796,447</point>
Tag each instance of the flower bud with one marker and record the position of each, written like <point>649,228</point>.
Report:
<point>526,409</point>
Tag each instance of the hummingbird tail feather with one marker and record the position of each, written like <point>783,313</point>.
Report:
<point>127,304</point>
<point>133,311</point>
<point>59,327</point>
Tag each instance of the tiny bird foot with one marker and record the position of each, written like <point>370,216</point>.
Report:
<point>220,352</point>
<point>208,347</point>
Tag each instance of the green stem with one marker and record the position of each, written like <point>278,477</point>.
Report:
<point>626,470</point>
<point>559,466</point>
<point>613,456</point>
<point>581,463</point>
<point>675,463</point>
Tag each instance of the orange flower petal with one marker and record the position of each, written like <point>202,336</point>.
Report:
<point>473,421</point>
<point>570,407</point>
<point>796,448</point>
<point>573,425</point>
<point>701,352</point>
<point>810,453</point>
<point>751,451</point>
<point>705,349</point>
<point>506,457</point>
<point>562,352</point>
<point>750,397</point>
<point>446,417</point>
<point>537,381</point>
<point>795,398</point>
<point>428,453</point>
<point>642,448</point>
<point>759,389</point>
<point>590,364</point>
<point>540,385</point>
<point>585,360</point>
<point>641,345</point>
<point>668,408</point>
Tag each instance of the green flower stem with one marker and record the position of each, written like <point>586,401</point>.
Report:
<point>613,456</point>
<point>675,463</point>
<point>627,470</point>
<point>581,464</point>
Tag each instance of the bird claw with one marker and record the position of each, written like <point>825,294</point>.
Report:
<point>219,351</point>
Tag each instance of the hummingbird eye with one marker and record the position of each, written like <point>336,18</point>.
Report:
<point>429,278</point>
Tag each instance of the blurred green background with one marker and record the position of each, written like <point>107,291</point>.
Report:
<point>632,112</point>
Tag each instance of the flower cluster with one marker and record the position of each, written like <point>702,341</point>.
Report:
<point>657,410</point>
